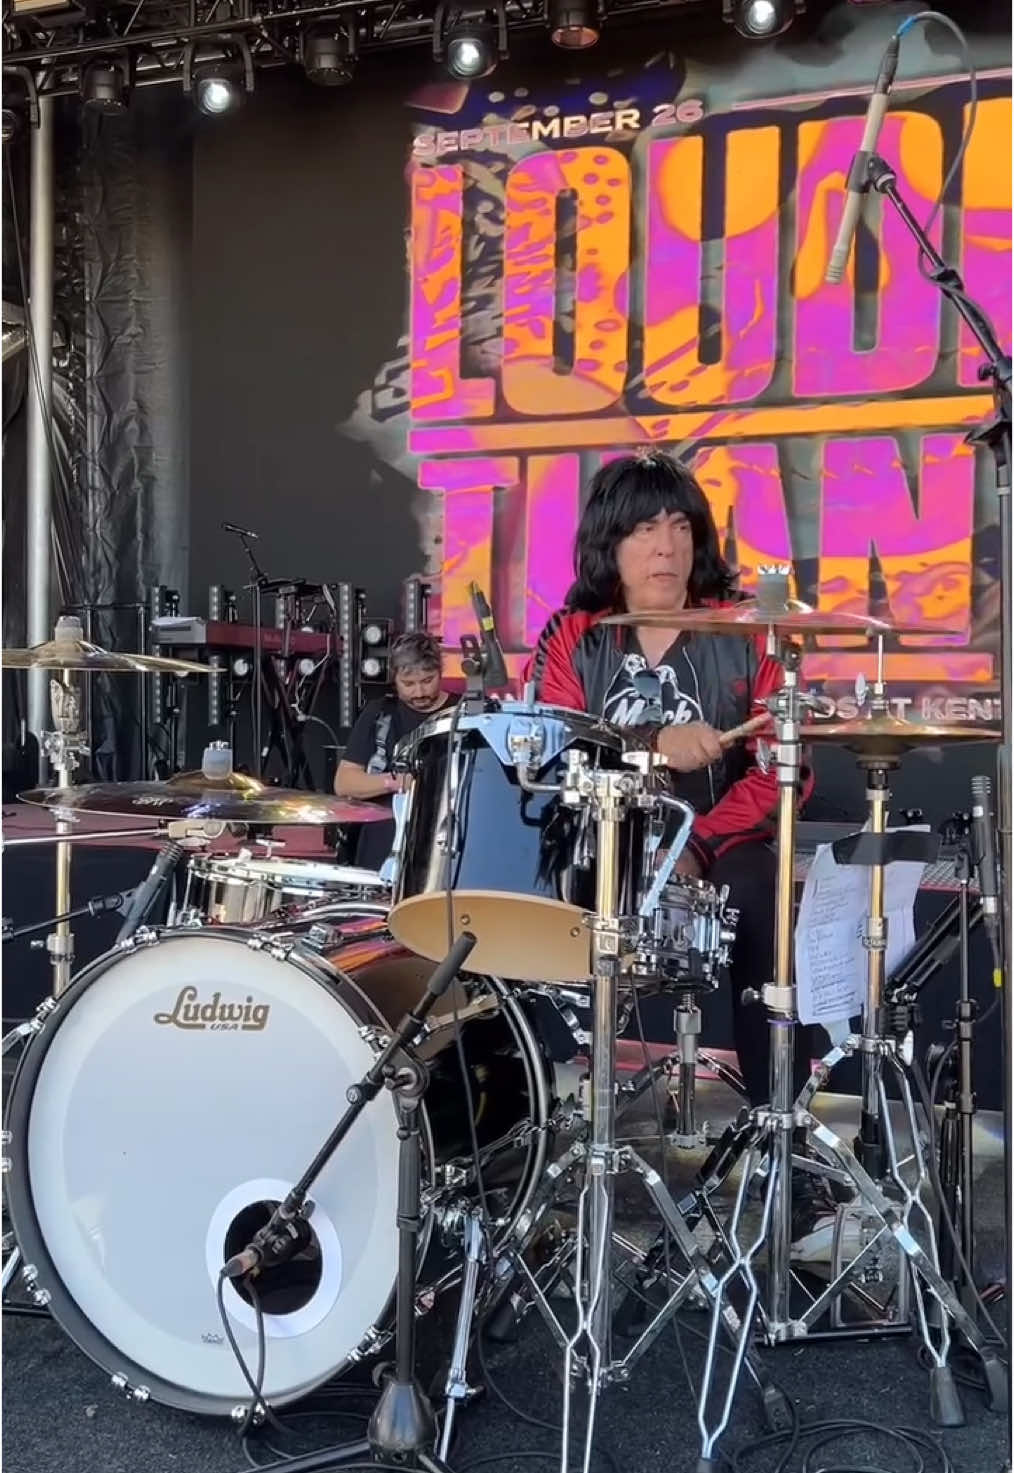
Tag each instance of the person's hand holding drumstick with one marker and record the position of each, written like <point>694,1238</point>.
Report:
<point>696,744</point>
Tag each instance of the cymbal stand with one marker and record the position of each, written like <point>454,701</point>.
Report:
<point>765,1136</point>
<point>63,746</point>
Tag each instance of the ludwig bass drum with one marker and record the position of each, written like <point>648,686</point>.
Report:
<point>177,1092</point>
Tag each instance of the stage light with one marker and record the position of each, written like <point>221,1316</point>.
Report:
<point>470,42</point>
<point>218,84</point>
<point>373,668</point>
<point>470,52</point>
<point>573,24</point>
<point>373,634</point>
<point>105,85</point>
<point>329,54</point>
<point>760,20</point>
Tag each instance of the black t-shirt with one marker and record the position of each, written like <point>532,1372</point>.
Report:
<point>380,727</point>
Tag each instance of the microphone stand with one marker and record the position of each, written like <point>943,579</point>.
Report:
<point>995,433</point>
<point>402,1427</point>
<point>258,583</point>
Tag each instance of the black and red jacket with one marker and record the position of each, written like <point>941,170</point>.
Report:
<point>586,665</point>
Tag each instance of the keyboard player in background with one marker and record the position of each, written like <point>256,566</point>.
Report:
<point>365,770</point>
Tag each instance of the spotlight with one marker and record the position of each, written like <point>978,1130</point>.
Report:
<point>329,54</point>
<point>573,24</point>
<point>105,85</point>
<point>218,84</point>
<point>374,648</point>
<point>759,20</point>
<point>470,42</point>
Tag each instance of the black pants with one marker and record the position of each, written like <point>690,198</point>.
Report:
<point>750,872</point>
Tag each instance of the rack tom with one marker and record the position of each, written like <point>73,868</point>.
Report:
<point>478,851</point>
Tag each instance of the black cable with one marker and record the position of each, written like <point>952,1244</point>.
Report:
<point>913,1440</point>
<point>255,1385</point>
<point>489,1459</point>
<point>934,1173</point>
<point>922,18</point>
<point>501,1395</point>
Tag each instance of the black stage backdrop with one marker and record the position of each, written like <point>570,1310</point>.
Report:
<point>242,315</point>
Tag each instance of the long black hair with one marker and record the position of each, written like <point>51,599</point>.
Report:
<point>625,493</point>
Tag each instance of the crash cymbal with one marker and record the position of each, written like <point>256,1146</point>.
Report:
<point>190,795</point>
<point>882,735</point>
<point>79,654</point>
<point>750,617</point>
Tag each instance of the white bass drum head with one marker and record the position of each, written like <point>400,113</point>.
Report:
<point>175,1088</point>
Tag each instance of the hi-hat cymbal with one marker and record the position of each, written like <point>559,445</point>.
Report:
<point>190,795</point>
<point>750,617</point>
<point>881,735</point>
<point>79,654</point>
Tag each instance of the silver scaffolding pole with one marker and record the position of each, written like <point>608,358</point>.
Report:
<point>38,536</point>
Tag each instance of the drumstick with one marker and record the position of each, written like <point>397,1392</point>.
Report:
<point>745,729</point>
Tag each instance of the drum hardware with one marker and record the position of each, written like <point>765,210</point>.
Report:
<point>949,1064</point>
<point>98,905</point>
<point>767,1132</point>
<point>608,794</point>
<point>402,1423</point>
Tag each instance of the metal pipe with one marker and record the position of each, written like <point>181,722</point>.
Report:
<point>82,838</point>
<point>38,534</point>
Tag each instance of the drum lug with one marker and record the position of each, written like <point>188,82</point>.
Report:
<point>134,1393</point>
<point>374,1037</point>
<point>143,936</point>
<point>371,1342</point>
<point>239,1414</point>
<point>257,942</point>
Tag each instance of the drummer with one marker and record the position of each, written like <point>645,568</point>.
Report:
<point>365,770</point>
<point>647,540</point>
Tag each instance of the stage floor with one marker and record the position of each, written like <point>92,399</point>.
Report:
<point>60,1411</point>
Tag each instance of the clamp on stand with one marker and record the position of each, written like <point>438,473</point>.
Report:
<point>63,747</point>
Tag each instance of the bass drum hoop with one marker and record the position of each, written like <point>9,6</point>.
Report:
<point>21,1206</point>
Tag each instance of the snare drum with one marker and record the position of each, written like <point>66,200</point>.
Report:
<point>241,889</point>
<point>521,865</point>
<point>687,941</point>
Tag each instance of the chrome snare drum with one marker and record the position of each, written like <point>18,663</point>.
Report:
<point>519,863</point>
<point>242,889</point>
<point>687,939</point>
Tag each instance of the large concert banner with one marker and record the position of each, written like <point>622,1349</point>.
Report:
<point>638,259</point>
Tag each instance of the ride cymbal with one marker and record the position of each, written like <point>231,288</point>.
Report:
<point>751,617</point>
<point>190,795</point>
<point>883,735</point>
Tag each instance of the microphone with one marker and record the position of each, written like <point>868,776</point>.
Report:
<point>983,824</point>
<point>240,531</point>
<point>858,184</point>
<point>143,898</point>
<point>494,666</point>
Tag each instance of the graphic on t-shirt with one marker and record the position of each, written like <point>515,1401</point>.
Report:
<point>639,695</point>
